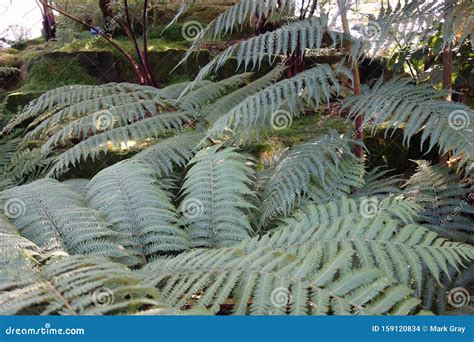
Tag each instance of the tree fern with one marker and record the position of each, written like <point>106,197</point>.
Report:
<point>225,104</point>
<point>257,285</point>
<point>128,196</point>
<point>76,285</point>
<point>257,112</point>
<point>56,218</point>
<point>156,126</point>
<point>398,103</point>
<point>378,241</point>
<point>292,176</point>
<point>214,201</point>
<point>445,201</point>
<point>175,151</point>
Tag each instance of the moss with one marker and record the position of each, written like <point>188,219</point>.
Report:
<point>308,126</point>
<point>50,74</point>
<point>17,100</point>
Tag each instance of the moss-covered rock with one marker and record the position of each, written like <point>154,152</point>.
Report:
<point>18,100</point>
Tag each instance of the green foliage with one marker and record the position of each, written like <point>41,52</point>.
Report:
<point>214,198</point>
<point>317,231</point>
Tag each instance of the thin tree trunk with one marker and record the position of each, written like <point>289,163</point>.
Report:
<point>137,69</point>
<point>359,132</point>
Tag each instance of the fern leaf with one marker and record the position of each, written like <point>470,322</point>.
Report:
<point>214,202</point>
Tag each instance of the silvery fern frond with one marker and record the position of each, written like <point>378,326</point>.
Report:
<point>76,285</point>
<point>400,104</point>
<point>56,218</point>
<point>167,153</point>
<point>291,178</point>
<point>128,196</point>
<point>445,200</point>
<point>263,111</point>
<point>215,198</point>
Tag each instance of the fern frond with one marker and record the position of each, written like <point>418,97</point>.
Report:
<point>378,238</point>
<point>292,176</point>
<point>126,193</point>
<point>256,112</point>
<point>445,201</point>
<point>90,148</point>
<point>214,198</point>
<point>340,182</point>
<point>267,282</point>
<point>65,96</point>
<point>225,104</point>
<point>377,183</point>
<point>400,104</point>
<point>198,98</point>
<point>177,150</point>
<point>250,53</point>
<point>76,285</point>
<point>56,218</point>
<point>236,15</point>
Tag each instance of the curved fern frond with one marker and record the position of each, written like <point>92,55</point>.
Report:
<point>236,15</point>
<point>400,104</point>
<point>76,285</point>
<point>126,193</point>
<point>445,201</point>
<point>198,98</point>
<point>257,112</point>
<point>56,218</point>
<point>340,182</point>
<point>292,176</point>
<point>377,237</point>
<point>214,198</point>
<point>90,148</point>
<point>225,104</point>
<point>177,150</point>
<point>65,96</point>
<point>268,282</point>
<point>250,53</point>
